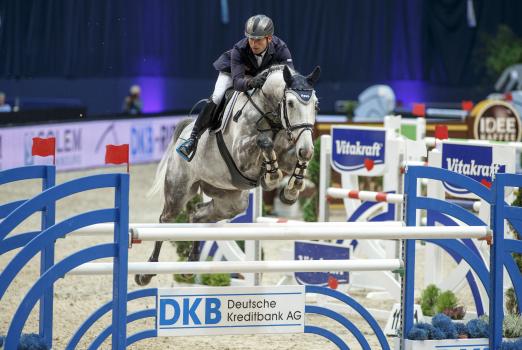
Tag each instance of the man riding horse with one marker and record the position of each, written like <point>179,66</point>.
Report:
<point>270,133</point>
<point>239,68</point>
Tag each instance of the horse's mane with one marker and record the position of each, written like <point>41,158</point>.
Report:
<point>277,68</point>
<point>299,81</point>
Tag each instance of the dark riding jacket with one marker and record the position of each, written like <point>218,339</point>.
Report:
<point>241,61</point>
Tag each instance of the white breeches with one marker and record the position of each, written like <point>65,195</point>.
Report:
<point>224,81</point>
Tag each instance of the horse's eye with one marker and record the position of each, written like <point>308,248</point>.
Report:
<point>317,106</point>
<point>291,104</point>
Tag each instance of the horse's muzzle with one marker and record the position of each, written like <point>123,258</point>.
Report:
<point>305,153</point>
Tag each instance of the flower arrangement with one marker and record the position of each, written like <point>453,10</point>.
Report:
<point>434,301</point>
<point>442,327</point>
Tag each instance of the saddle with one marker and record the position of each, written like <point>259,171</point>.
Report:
<point>223,114</point>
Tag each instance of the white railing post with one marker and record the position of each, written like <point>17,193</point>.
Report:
<point>324,176</point>
<point>253,247</point>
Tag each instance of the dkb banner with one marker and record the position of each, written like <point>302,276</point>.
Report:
<point>82,145</point>
<point>226,310</point>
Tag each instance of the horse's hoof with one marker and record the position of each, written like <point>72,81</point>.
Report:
<point>285,200</point>
<point>143,280</point>
<point>277,176</point>
<point>299,185</point>
<point>264,185</point>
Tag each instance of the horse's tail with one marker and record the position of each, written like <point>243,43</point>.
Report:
<point>161,171</point>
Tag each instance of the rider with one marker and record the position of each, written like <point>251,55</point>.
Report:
<point>239,68</point>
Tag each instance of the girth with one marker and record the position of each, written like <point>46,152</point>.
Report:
<point>238,179</point>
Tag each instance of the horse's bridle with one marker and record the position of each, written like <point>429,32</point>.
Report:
<point>278,118</point>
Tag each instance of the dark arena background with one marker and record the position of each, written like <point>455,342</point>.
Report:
<point>87,54</point>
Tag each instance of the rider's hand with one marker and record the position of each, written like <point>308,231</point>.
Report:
<point>257,81</point>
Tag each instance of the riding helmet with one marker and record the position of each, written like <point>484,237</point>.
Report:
<point>258,27</point>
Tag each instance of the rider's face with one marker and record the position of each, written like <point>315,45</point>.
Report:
<point>259,45</point>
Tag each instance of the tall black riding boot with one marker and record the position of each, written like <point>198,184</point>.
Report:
<point>187,149</point>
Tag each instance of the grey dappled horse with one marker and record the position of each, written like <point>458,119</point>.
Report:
<point>271,131</point>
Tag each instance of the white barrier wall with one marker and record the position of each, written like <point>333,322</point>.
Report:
<point>480,160</point>
<point>82,145</point>
<point>370,151</point>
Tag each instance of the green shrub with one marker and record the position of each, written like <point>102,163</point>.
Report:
<point>428,299</point>
<point>511,301</point>
<point>511,298</point>
<point>310,205</point>
<point>512,326</point>
<point>446,300</point>
<point>310,209</point>
<point>183,248</point>
<point>518,198</point>
<point>496,53</point>
<point>216,279</point>
<point>189,278</point>
<point>184,278</point>
<point>314,166</point>
<point>517,203</point>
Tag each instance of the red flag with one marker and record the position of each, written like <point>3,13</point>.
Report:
<point>441,132</point>
<point>117,154</point>
<point>333,283</point>
<point>467,105</point>
<point>419,110</point>
<point>44,147</point>
<point>368,163</point>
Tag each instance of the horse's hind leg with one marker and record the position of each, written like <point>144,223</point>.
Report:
<point>175,201</point>
<point>202,214</point>
<point>224,205</point>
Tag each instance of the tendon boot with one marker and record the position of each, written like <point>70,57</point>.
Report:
<point>187,149</point>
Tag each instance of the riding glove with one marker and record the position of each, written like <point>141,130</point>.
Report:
<point>257,81</point>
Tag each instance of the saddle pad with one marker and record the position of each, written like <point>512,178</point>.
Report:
<point>227,114</point>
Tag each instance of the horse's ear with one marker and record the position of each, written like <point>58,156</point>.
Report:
<point>287,75</point>
<point>314,76</point>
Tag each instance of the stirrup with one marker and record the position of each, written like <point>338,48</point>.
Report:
<point>181,150</point>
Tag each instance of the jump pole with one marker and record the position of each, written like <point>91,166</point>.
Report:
<point>243,266</point>
<point>308,231</point>
<point>394,198</point>
<point>108,228</point>
<point>365,195</point>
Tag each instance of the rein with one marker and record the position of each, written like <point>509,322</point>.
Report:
<point>278,118</point>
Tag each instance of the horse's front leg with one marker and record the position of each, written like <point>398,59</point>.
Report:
<point>290,193</point>
<point>272,175</point>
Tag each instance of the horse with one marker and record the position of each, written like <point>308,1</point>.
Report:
<point>270,132</point>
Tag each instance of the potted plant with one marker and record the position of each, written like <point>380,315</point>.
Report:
<point>434,301</point>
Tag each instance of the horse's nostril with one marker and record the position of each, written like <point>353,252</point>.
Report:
<point>305,153</point>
